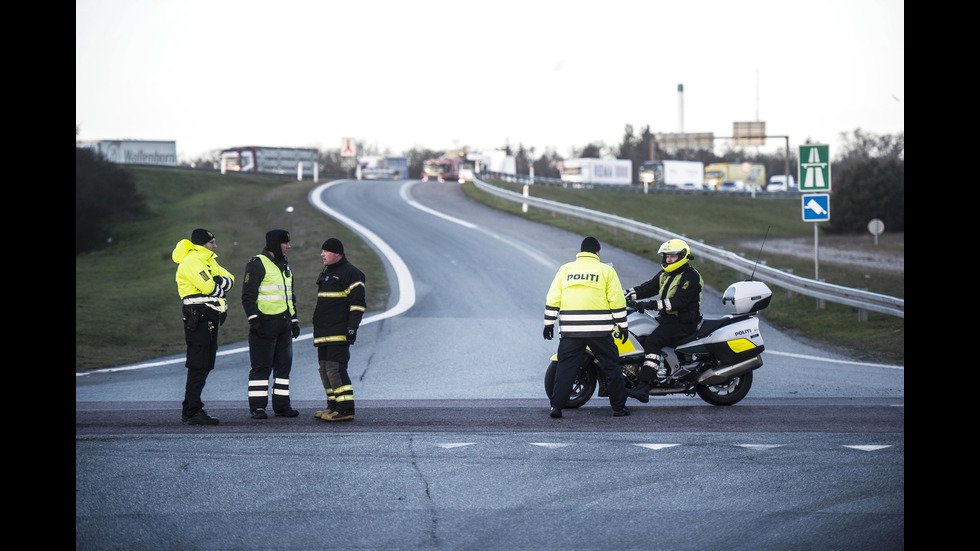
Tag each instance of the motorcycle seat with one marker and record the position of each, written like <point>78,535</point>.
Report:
<point>710,325</point>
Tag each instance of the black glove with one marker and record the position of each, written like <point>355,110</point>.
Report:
<point>549,332</point>
<point>649,305</point>
<point>625,334</point>
<point>295,329</point>
<point>351,336</point>
<point>220,286</point>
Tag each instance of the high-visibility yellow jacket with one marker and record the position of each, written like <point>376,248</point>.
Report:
<point>197,267</point>
<point>586,298</point>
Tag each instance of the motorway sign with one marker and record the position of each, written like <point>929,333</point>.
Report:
<point>816,208</point>
<point>814,168</point>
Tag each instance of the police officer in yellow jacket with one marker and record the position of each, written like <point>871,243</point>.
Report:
<point>586,299</point>
<point>270,306</point>
<point>201,284</point>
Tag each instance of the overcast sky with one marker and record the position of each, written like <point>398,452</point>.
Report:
<point>211,74</point>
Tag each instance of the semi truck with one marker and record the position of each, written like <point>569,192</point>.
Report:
<point>271,160</point>
<point>675,174</point>
<point>442,169</point>
<point>597,171</point>
<point>753,174</point>
<point>499,161</point>
<point>495,161</point>
<point>135,152</point>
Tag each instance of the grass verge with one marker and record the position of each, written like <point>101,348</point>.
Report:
<point>126,304</point>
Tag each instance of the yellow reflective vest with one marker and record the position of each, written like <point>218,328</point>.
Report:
<point>274,293</point>
<point>586,298</point>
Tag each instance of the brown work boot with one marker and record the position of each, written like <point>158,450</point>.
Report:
<point>336,415</point>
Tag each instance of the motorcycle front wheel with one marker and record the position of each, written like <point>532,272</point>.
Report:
<point>582,388</point>
<point>728,393</point>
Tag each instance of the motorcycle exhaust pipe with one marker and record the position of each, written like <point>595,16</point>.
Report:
<point>715,377</point>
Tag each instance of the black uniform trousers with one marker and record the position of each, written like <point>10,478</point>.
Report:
<point>201,335</point>
<point>343,389</point>
<point>270,351</point>
<point>667,334</point>
<point>571,353</point>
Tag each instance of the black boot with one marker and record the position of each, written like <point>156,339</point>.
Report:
<point>641,392</point>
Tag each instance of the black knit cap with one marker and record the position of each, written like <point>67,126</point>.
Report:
<point>200,236</point>
<point>590,245</point>
<point>275,238</point>
<point>333,245</point>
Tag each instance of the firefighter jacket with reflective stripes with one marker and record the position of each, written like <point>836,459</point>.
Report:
<point>586,298</point>
<point>680,293</point>
<point>197,267</point>
<point>340,303</point>
<point>268,288</point>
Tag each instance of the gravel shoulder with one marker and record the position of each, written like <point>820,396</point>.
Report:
<point>888,254</point>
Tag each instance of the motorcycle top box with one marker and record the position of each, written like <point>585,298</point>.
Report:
<point>746,297</point>
<point>735,337</point>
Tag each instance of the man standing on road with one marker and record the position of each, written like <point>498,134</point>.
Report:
<point>340,305</point>
<point>586,298</point>
<point>270,305</point>
<point>201,284</point>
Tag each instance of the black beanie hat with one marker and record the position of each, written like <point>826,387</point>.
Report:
<point>275,238</point>
<point>200,236</point>
<point>590,245</point>
<point>333,245</point>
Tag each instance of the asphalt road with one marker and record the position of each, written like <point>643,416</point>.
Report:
<point>452,447</point>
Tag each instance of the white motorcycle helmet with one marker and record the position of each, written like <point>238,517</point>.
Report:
<point>674,247</point>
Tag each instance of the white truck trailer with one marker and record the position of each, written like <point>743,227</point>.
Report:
<point>597,171</point>
<point>272,160</point>
<point>675,174</point>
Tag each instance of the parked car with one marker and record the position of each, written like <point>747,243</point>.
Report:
<point>776,186</point>
<point>778,182</point>
<point>732,185</point>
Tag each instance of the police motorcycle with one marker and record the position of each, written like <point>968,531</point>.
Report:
<point>715,363</point>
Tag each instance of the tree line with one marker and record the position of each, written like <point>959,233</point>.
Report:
<point>868,177</point>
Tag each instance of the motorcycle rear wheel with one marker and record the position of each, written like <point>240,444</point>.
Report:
<point>728,393</point>
<point>582,388</point>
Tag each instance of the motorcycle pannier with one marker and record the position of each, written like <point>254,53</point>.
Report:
<point>746,297</point>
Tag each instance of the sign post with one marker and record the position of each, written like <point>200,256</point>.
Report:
<point>876,227</point>
<point>348,150</point>
<point>814,171</point>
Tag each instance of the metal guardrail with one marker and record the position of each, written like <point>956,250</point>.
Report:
<point>863,300</point>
